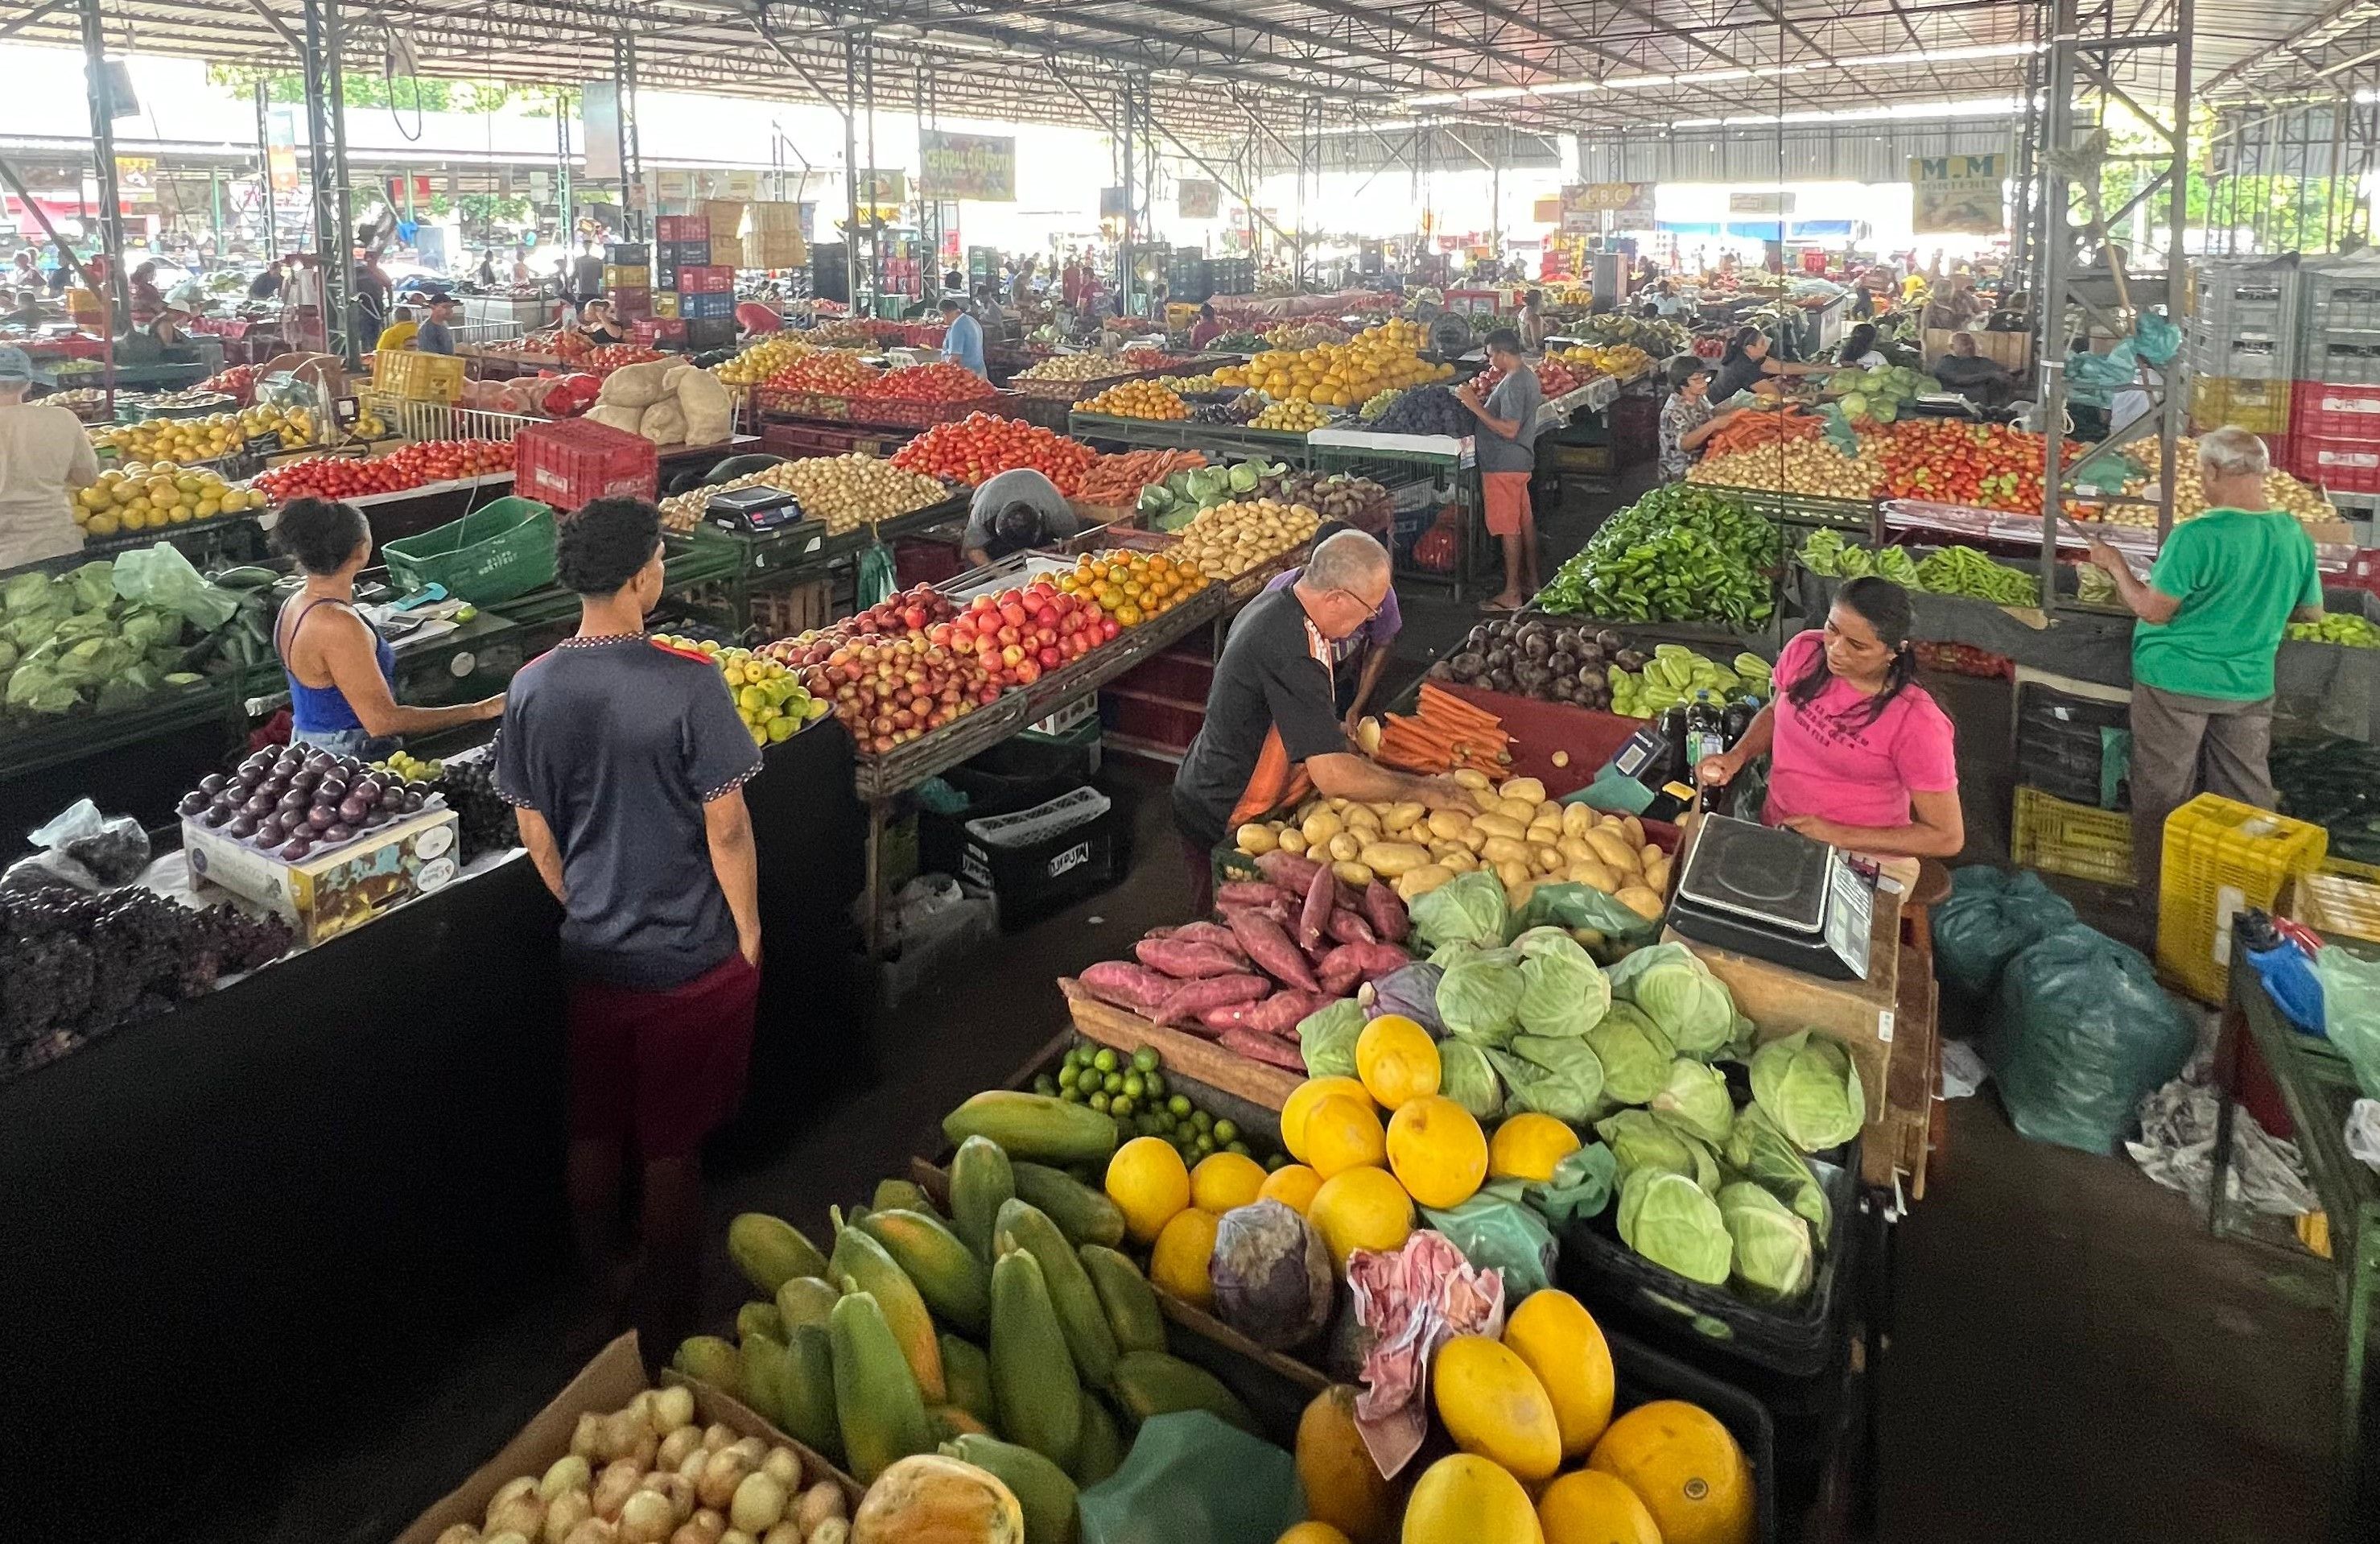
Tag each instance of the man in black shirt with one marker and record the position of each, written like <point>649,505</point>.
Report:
<point>1272,733</point>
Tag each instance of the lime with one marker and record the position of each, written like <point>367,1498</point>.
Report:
<point>1134,1085</point>
<point>1112,1083</point>
<point>1225,1131</point>
<point>1203,1121</point>
<point>1072,1096</point>
<point>1100,1103</point>
<point>1178,1105</point>
<point>1156,1081</point>
<point>1069,1074</point>
<point>1075,1057</point>
<point>1120,1106</point>
<point>1240,1148</point>
<point>1105,1061</point>
<point>1145,1059</point>
<point>1274,1162</point>
<point>1045,1084</point>
<point>1205,1144</point>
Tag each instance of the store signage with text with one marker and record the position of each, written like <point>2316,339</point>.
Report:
<point>1202,198</point>
<point>978,167</point>
<point>1591,206</point>
<point>1958,195</point>
<point>1775,205</point>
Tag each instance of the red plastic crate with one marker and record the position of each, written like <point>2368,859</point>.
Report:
<point>2343,465</point>
<point>2363,570</point>
<point>2345,411</point>
<point>682,227</point>
<point>632,304</point>
<point>570,462</point>
<point>705,279</point>
<point>660,329</point>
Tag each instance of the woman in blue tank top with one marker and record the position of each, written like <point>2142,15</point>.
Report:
<point>342,673</point>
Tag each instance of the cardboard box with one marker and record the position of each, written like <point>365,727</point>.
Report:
<point>605,1384</point>
<point>326,896</point>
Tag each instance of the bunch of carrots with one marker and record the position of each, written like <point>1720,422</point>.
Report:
<point>1445,733</point>
<point>1760,426</point>
<point>1114,480</point>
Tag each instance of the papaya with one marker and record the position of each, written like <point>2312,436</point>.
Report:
<point>1041,1487</point>
<point>1037,1399</point>
<point>877,1402</point>
<point>1080,1316</point>
<point>951,1420</point>
<point>766,1372</point>
<point>1130,1302</point>
<point>955,1284</point>
<point>1037,1128</point>
<point>771,1251</point>
<point>708,1359</point>
<point>967,1373</point>
<point>1102,1449</point>
<point>1154,1383</point>
<point>806,1300</point>
<point>980,1180</point>
<point>1083,1215</point>
<point>1343,1487</point>
<point>1463,1499</point>
<point>806,1408</point>
<point>931,1500</point>
<point>900,1194</point>
<point>862,1265</point>
<point>759,1319</point>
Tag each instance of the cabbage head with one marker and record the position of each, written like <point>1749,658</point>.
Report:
<point>1670,1220</point>
<point>1810,1088</point>
<point>1244,477</point>
<point>1773,1259</point>
<point>1466,1076</point>
<point>1640,1139</point>
<point>1672,987</point>
<point>1553,1075</point>
<point>1412,991</point>
<point>1562,989</point>
<point>1635,1053</point>
<point>1325,1038</point>
<point>1479,1000</point>
<point>1759,1152</point>
<point>1581,1186</point>
<point>1695,1096</point>
<point>1468,909</point>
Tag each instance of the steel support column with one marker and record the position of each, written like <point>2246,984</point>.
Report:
<point>632,168</point>
<point>264,189</point>
<point>851,171</point>
<point>326,152</point>
<point>1131,226</point>
<point>102,149</point>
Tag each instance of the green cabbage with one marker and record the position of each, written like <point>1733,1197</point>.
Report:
<point>1774,1261</point>
<point>1553,1075</point>
<point>1468,909</point>
<point>34,686</point>
<point>1465,1076</point>
<point>1562,992</point>
<point>32,594</point>
<point>1810,1088</point>
<point>1671,1221</point>
<point>1759,1152</point>
<point>1635,1053</point>
<point>1326,1036</point>
<point>1479,1000</point>
<point>1695,1096</point>
<point>1677,991</point>
<point>94,585</point>
<point>1244,477</point>
<point>1640,1139</point>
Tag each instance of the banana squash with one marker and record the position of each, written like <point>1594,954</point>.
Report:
<point>1129,1301</point>
<point>1041,1487</point>
<point>967,1373</point>
<point>1083,1215</point>
<point>1154,1383</point>
<point>771,1251</point>
<point>1036,1127</point>
<point>806,1400</point>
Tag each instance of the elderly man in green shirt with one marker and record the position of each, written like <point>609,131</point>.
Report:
<point>2211,617</point>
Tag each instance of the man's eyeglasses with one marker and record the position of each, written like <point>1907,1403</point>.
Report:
<point>1371,608</point>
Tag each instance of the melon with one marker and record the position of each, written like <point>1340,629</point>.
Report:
<point>1686,1468</point>
<point>1463,1499</point>
<point>1587,1506</point>
<point>1493,1406</point>
<point>1554,1334</point>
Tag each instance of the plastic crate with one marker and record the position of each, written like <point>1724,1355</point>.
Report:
<point>625,275</point>
<point>2076,840</point>
<point>419,377</point>
<point>683,227</point>
<point>653,331</point>
<point>705,333</point>
<point>2339,464</point>
<point>632,304</point>
<point>573,461</point>
<point>488,556</point>
<point>2345,408</point>
<point>704,279</point>
<point>2221,857</point>
<point>665,304</point>
<point>2259,407</point>
<point>621,254</point>
<point>706,305</point>
<point>2334,903</point>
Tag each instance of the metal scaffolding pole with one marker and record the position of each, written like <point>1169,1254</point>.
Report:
<point>264,189</point>
<point>851,172</point>
<point>1124,255</point>
<point>102,149</point>
<point>327,135</point>
<point>632,169</point>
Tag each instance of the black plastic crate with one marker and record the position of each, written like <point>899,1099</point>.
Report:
<point>1798,1340</point>
<point>2061,742</point>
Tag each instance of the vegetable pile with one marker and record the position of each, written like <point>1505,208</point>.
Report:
<point>939,381</point>
<point>1120,479</point>
<point>1681,553</point>
<point>1953,570</point>
<point>1133,1087</point>
<point>828,371</point>
<point>1444,733</point>
<point>1537,658</point>
<point>109,634</point>
<point>846,492</point>
<point>1878,395</point>
<point>1425,410</point>
<point>1131,586</point>
<point>1292,415</point>
<point>1990,466</point>
<point>981,444</point>
<point>413,465</point>
<point>755,365</point>
<point>1232,539</point>
<point>2343,627</point>
<point>1185,492</point>
<point>1674,673</point>
<point>1136,399</point>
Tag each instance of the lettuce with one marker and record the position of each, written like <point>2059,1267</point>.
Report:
<point>1479,1000</point>
<point>1468,909</point>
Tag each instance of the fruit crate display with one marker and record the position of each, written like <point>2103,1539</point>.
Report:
<point>774,403</point>
<point>570,462</point>
<point>890,413</point>
<point>1184,435</point>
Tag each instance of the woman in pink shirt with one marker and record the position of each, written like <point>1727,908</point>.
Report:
<point>1861,755</point>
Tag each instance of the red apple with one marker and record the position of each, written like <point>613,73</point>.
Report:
<point>1027,673</point>
<point>1108,628</point>
<point>1049,656</point>
<point>1011,654</point>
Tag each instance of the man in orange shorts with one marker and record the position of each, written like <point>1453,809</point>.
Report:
<point>1507,454</point>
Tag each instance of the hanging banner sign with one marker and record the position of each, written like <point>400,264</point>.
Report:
<point>1111,203</point>
<point>884,186</point>
<point>599,119</point>
<point>1773,204</point>
<point>1547,212</point>
<point>978,167</point>
<point>1958,195</point>
<point>1593,206</point>
<point>281,150</point>
<point>1201,198</point>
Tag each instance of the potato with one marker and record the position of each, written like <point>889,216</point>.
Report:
<point>1413,883</point>
<point>1611,849</point>
<point>1462,862</point>
<point>1389,859</point>
<point>1527,788</point>
<point>1320,827</point>
<point>1635,830</point>
<point>1523,810</point>
<point>1641,901</point>
<point>1343,847</point>
<point>1351,872</point>
<point>1512,873</point>
<point>1594,875</point>
<point>1291,841</point>
<point>1657,876</point>
<point>1575,850</point>
<point>1500,850</point>
<point>1499,825</point>
<point>1256,839</point>
<point>1367,735</point>
<point>1360,817</point>
<point>1577,820</point>
<point>1517,895</point>
<point>1547,832</point>
<point>1470,779</point>
<point>1545,857</point>
<point>1447,824</point>
<point>1406,814</point>
<point>1485,801</point>
<point>1475,839</point>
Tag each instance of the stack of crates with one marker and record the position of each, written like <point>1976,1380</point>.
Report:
<point>774,236</point>
<point>628,279</point>
<point>2242,342</point>
<point>685,242</point>
<point>2222,858</point>
<point>1186,278</point>
<point>1231,276</point>
<point>2336,409</point>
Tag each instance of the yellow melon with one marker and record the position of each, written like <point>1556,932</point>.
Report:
<point>1301,1102</point>
<point>1343,1487</point>
<point>1179,1263</point>
<point>1686,1467</point>
<point>1361,1209</point>
<point>1590,1507</point>
<point>1528,1145</point>
<point>1224,1180</point>
<point>1558,1339</point>
<point>1466,1499</point>
<point>1293,1184</point>
<point>1149,1183</point>
<point>1396,1060</point>
<point>1493,1406</point>
<point>1313,1533</point>
<point>1344,1132</point>
<point>1437,1152</point>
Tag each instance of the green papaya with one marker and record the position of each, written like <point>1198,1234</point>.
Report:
<point>1127,1298</point>
<point>1083,1215</point>
<point>876,1404</point>
<point>806,1300</point>
<point>808,1409</point>
<point>759,1319</point>
<point>949,1421</point>
<point>766,1372</point>
<point>1085,1323</point>
<point>1153,1383</point>
<point>1102,1449</point>
<point>771,1252</point>
<point>980,1180</point>
<point>708,1359</point>
<point>966,1371</point>
<point>861,1264</point>
<point>900,1194</point>
<point>1036,1126</point>
<point>955,1284</point>
<point>1041,1487</point>
<point>1034,1390</point>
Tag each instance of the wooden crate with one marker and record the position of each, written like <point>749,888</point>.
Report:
<point>1268,1088</point>
<point>796,608</point>
<point>2011,350</point>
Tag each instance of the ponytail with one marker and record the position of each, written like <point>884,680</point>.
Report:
<point>1884,605</point>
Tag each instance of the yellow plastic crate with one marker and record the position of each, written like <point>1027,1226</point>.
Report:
<point>665,302</point>
<point>2073,839</point>
<point>2336,904</point>
<point>421,377</point>
<point>2222,857</point>
<point>2259,407</point>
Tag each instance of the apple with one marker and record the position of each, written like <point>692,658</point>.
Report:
<point>1011,654</point>
<point>1108,628</point>
<point>1027,673</point>
<point>1049,656</point>
<point>1011,634</point>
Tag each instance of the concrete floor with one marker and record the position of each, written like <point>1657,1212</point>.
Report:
<point>2073,1358</point>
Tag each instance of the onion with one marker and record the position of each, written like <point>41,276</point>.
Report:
<point>753,1448</point>
<point>759,1502</point>
<point>692,1466</point>
<point>784,1466</point>
<point>736,1536</point>
<point>510,1492</point>
<point>615,1485</point>
<point>594,1530</point>
<point>510,1536</point>
<point>718,1435</point>
<point>720,1475</point>
<point>524,1515</point>
<point>834,1530</point>
<point>646,1518</point>
<point>675,1446</point>
<point>588,1440</point>
<point>461,1532</point>
<point>672,1409</point>
<point>678,1487</point>
<point>572,1473</point>
<point>622,1431</point>
<point>787,1532</point>
<point>818,1503</point>
<point>565,1512</point>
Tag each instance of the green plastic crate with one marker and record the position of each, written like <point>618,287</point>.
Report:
<point>490,554</point>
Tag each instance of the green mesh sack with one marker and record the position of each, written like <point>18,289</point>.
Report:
<point>1988,918</point>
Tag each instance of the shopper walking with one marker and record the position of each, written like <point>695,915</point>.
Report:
<point>625,761</point>
<point>1507,457</point>
<point>2211,617</point>
<point>45,458</point>
<point>437,334</point>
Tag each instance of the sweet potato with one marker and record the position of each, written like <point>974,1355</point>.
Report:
<point>1267,945</point>
<point>1385,913</point>
<point>1351,963</point>
<point>1268,1049</point>
<point>1348,927</point>
<point>1187,961</point>
<point>1321,897</point>
<point>1285,917</point>
<point>1209,933</point>
<point>1292,872</point>
<point>1338,973</point>
<point>1216,1020</point>
<point>1191,998</point>
<point>1283,1012</point>
<point>1127,985</point>
<point>1249,892</point>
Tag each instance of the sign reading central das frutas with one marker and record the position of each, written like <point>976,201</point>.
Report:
<point>978,167</point>
<point>1958,195</point>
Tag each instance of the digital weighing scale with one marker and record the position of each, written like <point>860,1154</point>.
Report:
<point>1776,895</point>
<point>756,510</point>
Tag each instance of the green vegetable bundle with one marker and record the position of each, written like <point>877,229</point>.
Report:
<point>110,634</point>
<point>1681,553</point>
<point>1827,554</point>
<point>1964,571</point>
<point>2338,626</point>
